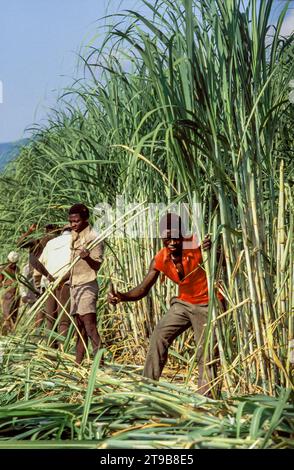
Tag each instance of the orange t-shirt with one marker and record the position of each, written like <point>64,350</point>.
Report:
<point>193,287</point>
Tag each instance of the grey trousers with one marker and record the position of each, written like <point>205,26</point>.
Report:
<point>179,317</point>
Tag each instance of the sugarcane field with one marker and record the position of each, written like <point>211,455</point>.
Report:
<point>147,230</point>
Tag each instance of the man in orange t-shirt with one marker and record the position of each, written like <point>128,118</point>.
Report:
<point>181,261</point>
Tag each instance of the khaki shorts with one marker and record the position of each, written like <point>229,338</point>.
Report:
<point>83,298</point>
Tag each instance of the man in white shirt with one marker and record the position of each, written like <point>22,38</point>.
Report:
<point>55,258</point>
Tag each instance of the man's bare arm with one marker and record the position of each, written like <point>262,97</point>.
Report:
<point>139,291</point>
<point>94,264</point>
<point>23,241</point>
<point>36,264</point>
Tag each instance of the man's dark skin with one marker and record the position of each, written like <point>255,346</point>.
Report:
<point>78,224</point>
<point>174,243</point>
<point>35,250</point>
<point>41,268</point>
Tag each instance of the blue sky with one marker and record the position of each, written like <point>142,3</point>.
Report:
<point>39,43</point>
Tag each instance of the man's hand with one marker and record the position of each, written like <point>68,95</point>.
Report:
<point>206,244</point>
<point>84,253</point>
<point>114,297</point>
<point>25,299</point>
